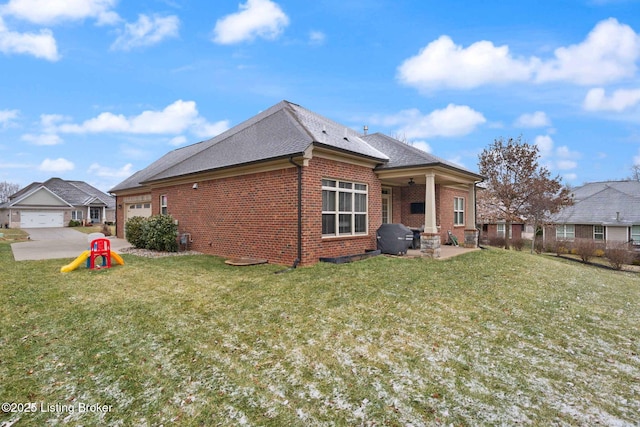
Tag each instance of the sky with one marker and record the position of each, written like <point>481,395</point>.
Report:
<point>95,90</point>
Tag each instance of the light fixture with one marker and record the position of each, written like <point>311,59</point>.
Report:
<point>411,182</point>
<point>195,186</point>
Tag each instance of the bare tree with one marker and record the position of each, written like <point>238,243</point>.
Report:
<point>517,186</point>
<point>7,189</point>
<point>635,173</point>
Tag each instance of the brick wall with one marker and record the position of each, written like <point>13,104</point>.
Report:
<point>315,246</point>
<point>256,215</point>
<point>444,211</point>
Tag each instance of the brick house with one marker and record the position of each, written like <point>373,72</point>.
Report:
<point>607,212</point>
<point>289,184</point>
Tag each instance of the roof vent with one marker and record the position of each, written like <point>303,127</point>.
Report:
<point>324,129</point>
<point>345,135</point>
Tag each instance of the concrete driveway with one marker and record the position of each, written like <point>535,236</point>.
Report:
<point>53,243</point>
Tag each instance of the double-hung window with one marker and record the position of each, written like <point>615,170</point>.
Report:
<point>565,231</point>
<point>76,215</point>
<point>344,208</point>
<point>598,232</point>
<point>163,204</point>
<point>458,211</point>
<point>635,234</point>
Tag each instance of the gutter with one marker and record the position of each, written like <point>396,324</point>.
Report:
<point>299,243</point>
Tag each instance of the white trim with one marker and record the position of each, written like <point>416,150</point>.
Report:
<point>349,188</point>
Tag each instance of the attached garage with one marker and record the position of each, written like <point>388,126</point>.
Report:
<point>40,219</point>
<point>138,209</point>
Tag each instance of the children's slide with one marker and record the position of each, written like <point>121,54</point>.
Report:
<point>83,257</point>
<point>76,262</point>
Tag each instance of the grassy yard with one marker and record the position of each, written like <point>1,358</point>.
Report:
<point>489,338</point>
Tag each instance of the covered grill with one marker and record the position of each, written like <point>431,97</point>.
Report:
<point>394,239</point>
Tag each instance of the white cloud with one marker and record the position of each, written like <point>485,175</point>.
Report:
<point>566,164</point>
<point>533,120</point>
<point>256,18</point>
<point>147,31</point>
<point>204,129</point>
<point>7,116</point>
<point>454,120</point>
<point>317,38</point>
<point>108,172</point>
<point>176,118</point>
<point>609,53</point>
<point>178,140</point>
<point>54,11</point>
<point>41,45</point>
<point>570,176</point>
<point>42,139</point>
<point>545,145</point>
<point>422,145</point>
<point>56,165</point>
<point>443,64</point>
<point>597,100</point>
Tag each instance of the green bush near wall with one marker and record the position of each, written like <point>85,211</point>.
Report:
<point>157,233</point>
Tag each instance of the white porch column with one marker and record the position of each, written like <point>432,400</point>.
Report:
<point>104,214</point>
<point>471,208</point>
<point>430,225</point>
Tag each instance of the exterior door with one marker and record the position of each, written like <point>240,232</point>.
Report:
<point>387,217</point>
<point>95,215</point>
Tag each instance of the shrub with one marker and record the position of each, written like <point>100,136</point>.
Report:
<point>518,244</point>
<point>106,230</point>
<point>498,242</point>
<point>585,248</point>
<point>562,247</point>
<point>159,233</point>
<point>599,253</point>
<point>133,231</point>
<point>619,255</point>
<point>74,223</point>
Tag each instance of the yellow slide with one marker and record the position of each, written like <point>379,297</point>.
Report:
<point>76,262</point>
<point>117,257</point>
<point>83,257</point>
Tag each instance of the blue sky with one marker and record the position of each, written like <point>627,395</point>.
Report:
<point>95,90</point>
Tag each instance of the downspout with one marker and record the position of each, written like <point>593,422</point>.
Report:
<point>299,252</point>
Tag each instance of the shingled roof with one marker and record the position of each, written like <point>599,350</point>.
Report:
<point>75,193</point>
<point>402,155</point>
<point>282,131</point>
<point>603,203</point>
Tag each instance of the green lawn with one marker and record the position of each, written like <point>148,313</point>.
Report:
<point>488,338</point>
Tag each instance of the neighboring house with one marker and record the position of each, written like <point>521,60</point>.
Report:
<point>289,184</point>
<point>607,212</point>
<point>54,203</point>
<point>497,229</point>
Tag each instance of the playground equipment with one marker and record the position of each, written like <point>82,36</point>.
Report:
<point>99,248</point>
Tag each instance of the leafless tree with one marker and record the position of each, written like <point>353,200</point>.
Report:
<point>517,186</point>
<point>7,189</point>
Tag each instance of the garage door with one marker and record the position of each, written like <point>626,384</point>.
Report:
<point>41,219</point>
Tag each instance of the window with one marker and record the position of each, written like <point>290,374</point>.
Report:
<point>163,205</point>
<point>77,215</point>
<point>501,228</point>
<point>635,234</point>
<point>598,232</point>
<point>458,211</point>
<point>344,208</point>
<point>565,231</point>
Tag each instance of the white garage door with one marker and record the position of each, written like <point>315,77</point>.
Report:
<point>41,219</point>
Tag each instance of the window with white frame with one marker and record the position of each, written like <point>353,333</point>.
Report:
<point>635,234</point>
<point>501,228</point>
<point>458,211</point>
<point>77,215</point>
<point>598,232</point>
<point>344,208</point>
<point>565,231</point>
<point>163,204</point>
